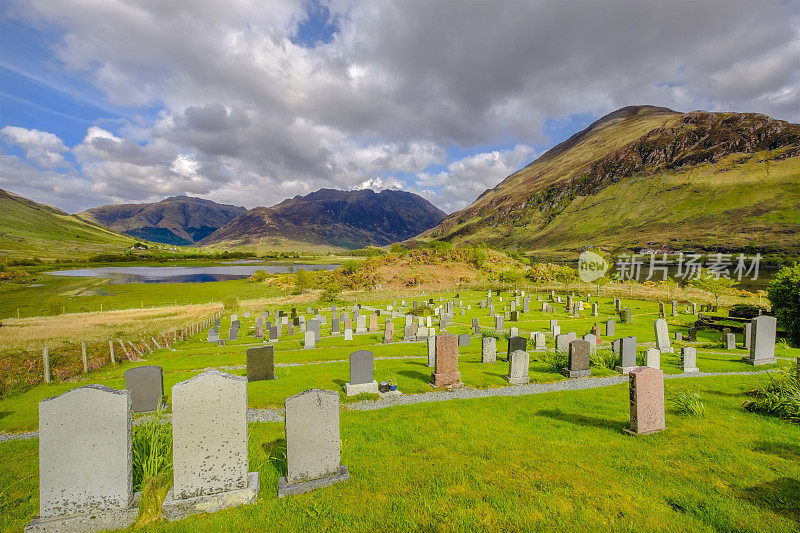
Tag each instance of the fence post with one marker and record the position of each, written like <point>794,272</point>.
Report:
<point>85,359</point>
<point>111,351</point>
<point>46,361</point>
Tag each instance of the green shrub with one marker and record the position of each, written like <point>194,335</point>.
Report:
<point>746,311</point>
<point>780,397</point>
<point>604,358</point>
<point>495,333</point>
<point>258,276</point>
<point>421,310</point>
<point>784,295</point>
<point>555,361</point>
<point>331,293</point>
<point>689,403</point>
<point>231,302</point>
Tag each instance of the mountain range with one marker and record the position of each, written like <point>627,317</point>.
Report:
<point>328,217</point>
<point>647,176</point>
<point>175,220</point>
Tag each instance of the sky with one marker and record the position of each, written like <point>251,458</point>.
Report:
<point>249,102</point>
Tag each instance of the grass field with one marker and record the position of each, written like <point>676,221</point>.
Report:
<point>551,461</point>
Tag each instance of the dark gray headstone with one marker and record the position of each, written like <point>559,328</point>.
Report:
<point>233,335</point>
<point>313,325</point>
<point>517,343</point>
<point>628,352</point>
<point>463,339</point>
<point>578,365</point>
<point>361,367</point>
<point>334,325</point>
<point>260,363</point>
<point>146,384</point>
<point>273,333</point>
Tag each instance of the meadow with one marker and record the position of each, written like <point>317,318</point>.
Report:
<point>525,462</point>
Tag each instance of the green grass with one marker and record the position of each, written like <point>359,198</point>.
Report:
<point>543,462</point>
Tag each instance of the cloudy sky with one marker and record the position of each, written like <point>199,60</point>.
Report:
<point>251,102</point>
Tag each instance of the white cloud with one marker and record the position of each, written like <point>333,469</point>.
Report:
<point>248,116</point>
<point>44,148</point>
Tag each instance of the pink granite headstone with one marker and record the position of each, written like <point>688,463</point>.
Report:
<point>446,361</point>
<point>647,400</point>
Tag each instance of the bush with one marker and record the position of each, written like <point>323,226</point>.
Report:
<point>746,311</point>
<point>555,361</point>
<point>331,293</point>
<point>784,295</point>
<point>689,403</point>
<point>421,310</point>
<point>258,276</point>
<point>604,358</point>
<point>780,397</point>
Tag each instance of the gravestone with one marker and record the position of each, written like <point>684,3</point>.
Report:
<point>539,341</point>
<point>85,461</point>
<point>233,335</point>
<point>662,336</point>
<point>432,351</point>
<point>310,340</point>
<point>578,363</point>
<point>260,363</point>
<point>694,308</point>
<point>748,332</point>
<point>334,325</point>
<point>513,332</point>
<point>562,341</point>
<point>146,384</point>
<point>627,347</point>
<point>273,333</point>
<point>209,440</point>
<point>730,341</point>
<point>692,334</point>
<point>556,331</point>
<point>463,339</point>
<point>610,328</point>
<point>476,327</point>
<point>314,326</point>
<point>361,324</point>
<point>628,316</point>
<point>488,350</point>
<point>674,308</point>
<point>362,374</point>
<point>446,372</point>
<point>594,309</point>
<point>313,453</point>
<point>514,316</point>
<point>661,312</point>
<point>373,323</point>
<point>409,333</point>
<point>553,325</point>
<point>762,341</point>
<point>678,336</point>
<point>689,359</point>
<point>498,322</point>
<point>348,334</point>
<point>516,343</point>
<point>646,401</point>
<point>653,358</point>
<point>518,365</point>
<point>213,335</point>
<point>591,338</point>
<point>388,331</point>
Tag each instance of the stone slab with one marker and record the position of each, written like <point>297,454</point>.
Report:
<point>88,522</point>
<point>287,489</point>
<point>351,389</point>
<point>177,509</point>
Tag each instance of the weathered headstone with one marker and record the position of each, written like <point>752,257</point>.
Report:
<point>362,374</point>
<point>610,328</point>
<point>653,358</point>
<point>309,340</point>
<point>388,331</point>
<point>85,461</point>
<point>314,326</point>
<point>762,341</point>
<point>591,338</point>
<point>348,334</point>
<point>627,347</point>
<point>748,335</point>
<point>692,334</point>
<point>539,340</point>
<point>578,363</point>
<point>662,336</point>
<point>213,335</point>
<point>476,327</point>
<point>373,323</point>
<point>313,453</point>
<point>146,384</point>
<point>446,372</point>
<point>646,401</point>
<point>730,341</point>
<point>260,363</point>
<point>498,322</point>
<point>209,440</point>
<point>488,350</point>
<point>361,324</point>
<point>463,339</point>
<point>518,365</point>
<point>689,359</point>
<point>563,340</point>
<point>432,351</point>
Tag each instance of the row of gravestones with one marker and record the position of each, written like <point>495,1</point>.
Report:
<point>85,476</point>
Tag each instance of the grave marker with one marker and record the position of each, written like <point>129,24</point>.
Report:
<point>646,401</point>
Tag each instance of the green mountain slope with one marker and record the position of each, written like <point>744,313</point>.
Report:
<point>30,229</point>
<point>645,176</point>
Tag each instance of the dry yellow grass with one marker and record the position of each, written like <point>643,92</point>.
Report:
<point>35,332</point>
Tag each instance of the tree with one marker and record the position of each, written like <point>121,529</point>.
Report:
<point>713,285</point>
<point>784,295</point>
<point>302,281</point>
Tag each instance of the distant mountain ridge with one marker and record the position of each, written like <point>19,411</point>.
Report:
<point>646,174</point>
<point>340,219</point>
<point>174,220</point>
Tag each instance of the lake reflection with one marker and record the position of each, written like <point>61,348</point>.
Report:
<point>146,274</point>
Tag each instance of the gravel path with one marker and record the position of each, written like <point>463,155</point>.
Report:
<point>277,415</point>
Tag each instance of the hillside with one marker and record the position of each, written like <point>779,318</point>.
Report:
<point>30,229</point>
<point>643,176</point>
<point>175,220</point>
<point>338,219</point>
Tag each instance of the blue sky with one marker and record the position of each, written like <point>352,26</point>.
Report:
<point>124,102</point>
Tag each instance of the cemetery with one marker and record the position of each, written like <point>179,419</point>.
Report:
<point>296,419</point>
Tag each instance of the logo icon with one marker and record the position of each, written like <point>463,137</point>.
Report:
<point>591,266</point>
